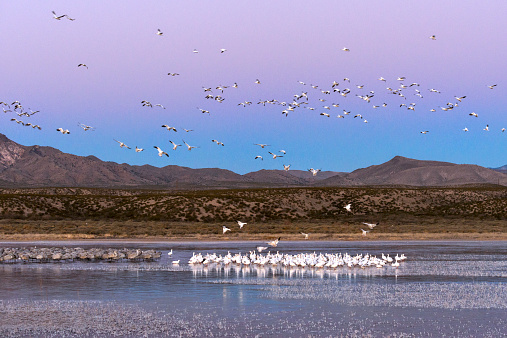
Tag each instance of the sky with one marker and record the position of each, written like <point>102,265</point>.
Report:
<point>277,42</point>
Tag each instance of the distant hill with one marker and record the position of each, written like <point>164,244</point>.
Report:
<point>502,169</point>
<point>37,166</point>
<point>406,171</point>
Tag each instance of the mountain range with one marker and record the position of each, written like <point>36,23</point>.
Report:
<point>40,166</point>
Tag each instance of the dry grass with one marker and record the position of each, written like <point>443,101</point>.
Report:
<point>69,213</point>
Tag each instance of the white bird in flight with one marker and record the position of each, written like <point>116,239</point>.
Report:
<point>258,156</point>
<point>138,150</point>
<point>63,131</point>
<point>348,207</point>
<point>314,171</point>
<point>275,155</point>
<point>241,224</point>
<point>225,229</point>
<point>161,152</point>
<point>345,49</point>
<point>305,234</point>
<point>286,167</point>
<point>371,225</point>
<point>261,145</point>
<point>275,242</point>
<point>261,248</point>
<point>189,146</point>
<point>122,145</point>
<point>169,128</point>
<point>364,232</point>
<point>175,145</point>
<point>159,32</point>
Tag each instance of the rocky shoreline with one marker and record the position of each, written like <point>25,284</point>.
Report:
<point>63,254</point>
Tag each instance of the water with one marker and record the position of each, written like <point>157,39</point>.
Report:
<point>442,289</point>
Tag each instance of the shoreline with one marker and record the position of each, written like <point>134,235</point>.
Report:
<point>260,237</point>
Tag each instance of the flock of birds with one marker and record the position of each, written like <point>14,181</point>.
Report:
<point>301,260</point>
<point>327,99</point>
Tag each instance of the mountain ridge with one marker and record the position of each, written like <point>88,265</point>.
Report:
<point>43,166</point>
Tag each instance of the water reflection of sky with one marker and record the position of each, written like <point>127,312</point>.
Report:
<point>437,277</point>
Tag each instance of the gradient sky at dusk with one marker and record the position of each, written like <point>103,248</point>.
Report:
<point>277,42</point>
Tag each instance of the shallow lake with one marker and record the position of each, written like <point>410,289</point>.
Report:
<point>456,289</point>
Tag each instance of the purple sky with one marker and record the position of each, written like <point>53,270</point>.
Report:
<point>277,42</point>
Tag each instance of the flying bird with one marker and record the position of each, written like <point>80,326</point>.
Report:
<point>348,207</point>
<point>258,156</point>
<point>473,114</point>
<point>173,74</point>
<point>433,37</point>
<point>275,242</point>
<point>59,17</point>
<point>223,50</point>
<point>286,167</point>
<point>225,229</point>
<point>261,145</point>
<point>345,49</point>
<point>424,132</point>
<point>175,145</point>
<point>138,150</point>
<point>492,86</point>
<point>364,232</point>
<point>305,234</point>
<point>217,142</point>
<point>61,130</point>
<point>122,145</point>
<point>241,224</point>
<point>189,146</point>
<point>371,225</point>
<point>314,171</point>
<point>261,248</point>
<point>275,155</point>
<point>169,128</point>
<point>159,32</point>
<point>85,127</point>
<point>82,65</point>
<point>161,152</point>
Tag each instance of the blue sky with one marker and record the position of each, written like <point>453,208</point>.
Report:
<point>279,43</point>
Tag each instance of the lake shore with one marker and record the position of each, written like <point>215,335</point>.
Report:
<point>261,237</point>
